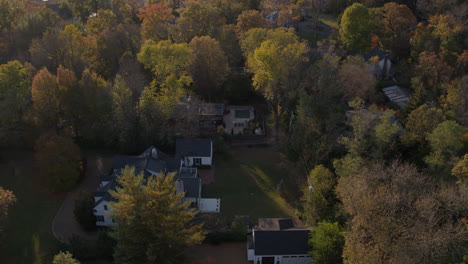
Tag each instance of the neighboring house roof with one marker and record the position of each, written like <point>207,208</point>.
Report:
<point>280,236</point>
<point>397,94</point>
<point>275,224</point>
<point>193,147</point>
<point>152,161</point>
<point>211,109</point>
<point>284,242</point>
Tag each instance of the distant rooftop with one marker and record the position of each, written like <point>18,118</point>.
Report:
<point>397,94</point>
<point>194,147</point>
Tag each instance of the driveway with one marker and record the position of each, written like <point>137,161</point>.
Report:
<point>64,224</point>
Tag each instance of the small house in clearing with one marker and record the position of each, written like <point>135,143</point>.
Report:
<point>195,151</point>
<point>278,241</point>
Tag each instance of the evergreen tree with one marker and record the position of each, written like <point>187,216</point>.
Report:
<point>154,225</point>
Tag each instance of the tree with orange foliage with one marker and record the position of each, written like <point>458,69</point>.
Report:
<point>398,21</point>
<point>249,19</point>
<point>155,23</point>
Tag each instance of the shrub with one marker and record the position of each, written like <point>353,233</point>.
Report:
<point>83,211</point>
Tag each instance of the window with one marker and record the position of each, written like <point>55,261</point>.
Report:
<point>105,207</point>
<point>100,218</point>
<point>113,221</point>
<point>196,161</point>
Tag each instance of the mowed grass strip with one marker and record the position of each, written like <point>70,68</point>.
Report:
<point>247,184</point>
<point>28,235</point>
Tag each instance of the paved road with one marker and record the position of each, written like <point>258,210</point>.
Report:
<point>64,224</point>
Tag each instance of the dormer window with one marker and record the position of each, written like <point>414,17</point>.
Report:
<point>105,207</point>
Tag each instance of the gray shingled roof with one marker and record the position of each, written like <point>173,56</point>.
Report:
<point>146,163</point>
<point>285,242</point>
<point>193,147</point>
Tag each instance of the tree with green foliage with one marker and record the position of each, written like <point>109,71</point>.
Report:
<point>355,28</point>
<point>69,48</point>
<point>209,68</point>
<point>275,65</point>
<point>15,97</point>
<point>420,123</point>
<point>239,229</point>
<point>91,108</point>
<point>58,159</point>
<point>461,170</point>
<point>445,144</point>
<point>104,19</point>
<point>319,196</point>
<point>198,18</point>
<point>168,62</point>
<point>154,224</point>
<point>124,114</point>
<point>83,210</point>
<point>327,242</point>
<point>64,258</point>
<point>386,132</point>
<point>349,165</point>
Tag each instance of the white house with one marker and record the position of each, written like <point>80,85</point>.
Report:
<point>380,63</point>
<point>278,241</point>
<point>195,151</point>
<point>151,162</point>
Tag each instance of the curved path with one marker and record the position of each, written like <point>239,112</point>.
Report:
<point>64,224</point>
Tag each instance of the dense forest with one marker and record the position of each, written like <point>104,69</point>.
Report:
<point>378,182</point>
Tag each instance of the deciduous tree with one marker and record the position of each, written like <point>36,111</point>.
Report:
<point>445,143</point>
<point>249,19</point>
<point>319,196</point>
<point>198,18</point>
<point>420,123</point>
<point>167,61</point>
<point>58,159</point>
<point>15,96</point>
<point>355,28</point>
<point>154,225</point>
<point>357,80</point>
<point>397,215</point>
<point>209,68</point>
<point>399,22</point>
<point>68,48</point>
<point>275,66</point>
<point>155,25</point>
<point>327,242</point>
<point>64,258</point>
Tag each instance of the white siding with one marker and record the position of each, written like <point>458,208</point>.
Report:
<point>99,210</point>
<point>205,161</point>
<point>250,255</point>
<point>209,205</point>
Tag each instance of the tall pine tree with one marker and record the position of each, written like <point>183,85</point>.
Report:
<point>154,225</point>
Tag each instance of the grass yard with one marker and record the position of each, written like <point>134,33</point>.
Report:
<point>247,184</point>
<point>330,20</point>
<point>27,237</point>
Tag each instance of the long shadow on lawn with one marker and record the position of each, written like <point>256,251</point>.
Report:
<point>265,184</point>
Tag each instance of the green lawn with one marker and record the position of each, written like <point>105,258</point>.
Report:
<point>247,184</point>
<point>330,20</point>
<point>28,236</point>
